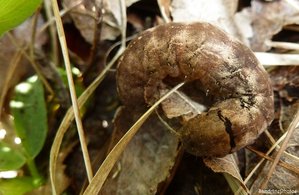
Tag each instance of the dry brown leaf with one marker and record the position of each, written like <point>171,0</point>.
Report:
<point>243,21</point>
<point>7,52</point>
<point>13,67</point>
<point>86,17</point>
<point>22,35</point>
<point>227,164</point>
<point>180,105</point>
<point>285,81</point>
<point>266,19</point>
<point>218,12</point>
<point>148,159</point>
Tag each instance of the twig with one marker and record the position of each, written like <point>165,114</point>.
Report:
<point>97,30</point>
<point>283,45</point>
<point>271,59</point>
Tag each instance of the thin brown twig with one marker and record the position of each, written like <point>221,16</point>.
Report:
<point>97,29</point>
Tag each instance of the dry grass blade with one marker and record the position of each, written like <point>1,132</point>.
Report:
<point>235,184</point>
<point>82,99</point>
<point>97,182</point>
<point>76,110</point>
<point>69,116</point>
<point>272,140</point>
<point>290,131</point>
<point>281,163</point>
<point>261,161</point>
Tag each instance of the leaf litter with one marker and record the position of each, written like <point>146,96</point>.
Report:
<point>261,25</point>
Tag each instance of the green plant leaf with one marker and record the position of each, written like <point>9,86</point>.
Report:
<point>14,12</point>
<point>79,87</point>
<point>16,186</point>
<point>30,115</point>
<point>10,158</point>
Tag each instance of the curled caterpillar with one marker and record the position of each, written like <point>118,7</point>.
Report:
<point>215,66</point>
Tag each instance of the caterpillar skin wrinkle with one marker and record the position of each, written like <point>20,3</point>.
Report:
<point>214,64</point>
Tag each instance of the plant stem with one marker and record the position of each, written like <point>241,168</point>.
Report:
<point>34,172</point>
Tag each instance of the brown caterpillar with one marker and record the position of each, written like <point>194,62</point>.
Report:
<point>217,67</point>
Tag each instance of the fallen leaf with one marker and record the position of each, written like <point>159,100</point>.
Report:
<point>266,20</point>
<point>86,17</point>
<point>227,164</point>
<point>180,105</point>
<point>147,161</point>
<point>218,12</point>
